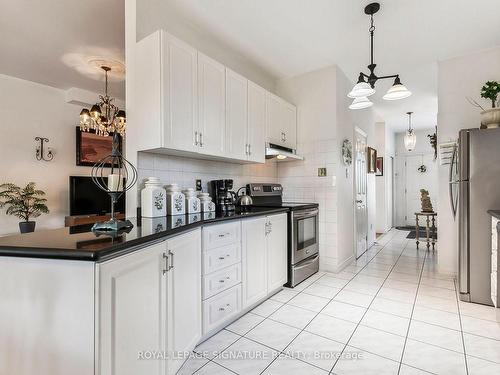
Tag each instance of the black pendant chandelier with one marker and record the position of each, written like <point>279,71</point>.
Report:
<point>366,82</point>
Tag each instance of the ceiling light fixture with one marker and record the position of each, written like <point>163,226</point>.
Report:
<point>410,136</point>
<point>366,82</point>
<point>360,103</point>
<point>104,117</point>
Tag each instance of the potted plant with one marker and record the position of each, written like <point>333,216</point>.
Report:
<point>490,118</point>
<point>24,203</point>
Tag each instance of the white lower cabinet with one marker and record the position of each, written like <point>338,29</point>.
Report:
<point>264,256</point>
<point>221,308</point>
<point>254,260</point>
<point>149,300</point>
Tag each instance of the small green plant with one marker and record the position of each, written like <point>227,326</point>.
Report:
<point>490,91</point>
<point>24,203</point>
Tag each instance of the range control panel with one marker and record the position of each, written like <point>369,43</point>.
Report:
<point>259,190</point>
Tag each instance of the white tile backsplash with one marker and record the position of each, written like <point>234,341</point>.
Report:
<point>185,171</point>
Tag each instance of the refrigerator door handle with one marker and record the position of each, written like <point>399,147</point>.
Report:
<point>463,241</point>
<point>452,182</point>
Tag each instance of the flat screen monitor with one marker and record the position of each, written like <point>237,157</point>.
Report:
<point>85,198</point>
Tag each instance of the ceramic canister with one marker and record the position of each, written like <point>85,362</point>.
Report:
<point>153,199</point>
<point>176,204</point>
<point>192,201</point>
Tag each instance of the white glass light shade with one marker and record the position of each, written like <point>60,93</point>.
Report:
<point>361,89</point>
<point>396,92</point>
<point>360,103</point>
<point>410,140</point>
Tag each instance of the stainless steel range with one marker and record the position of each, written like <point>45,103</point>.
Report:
<point>303,230</point>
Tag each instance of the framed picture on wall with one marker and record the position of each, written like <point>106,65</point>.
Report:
<point>379,166</point>
<point>90,148</point>
<point>371,155</point>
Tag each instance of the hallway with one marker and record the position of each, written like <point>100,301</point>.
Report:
<point>390,312</point>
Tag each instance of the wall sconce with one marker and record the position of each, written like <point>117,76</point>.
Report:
<point>40,152</point>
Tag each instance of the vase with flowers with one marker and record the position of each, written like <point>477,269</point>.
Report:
<point>490,118</point>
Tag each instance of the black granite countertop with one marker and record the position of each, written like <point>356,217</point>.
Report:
<point>495,213</point>
<point>80,243</point>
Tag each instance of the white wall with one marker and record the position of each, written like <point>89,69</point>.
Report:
<point>385,146</point>
<point>27,110</point>
<point>458,78</point>
<point>324,121</point>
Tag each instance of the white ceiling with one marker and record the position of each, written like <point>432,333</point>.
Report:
<point>48,41</point>
<point>291,37</point>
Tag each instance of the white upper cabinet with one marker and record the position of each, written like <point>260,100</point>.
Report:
<point>281,122</point>
<point>236,115</point>
<point>179,70</point>
<point>191,105</point>
<point>211,106</point>
<point>290,125</point>
<point>256,123</point>
<point>274,119</point>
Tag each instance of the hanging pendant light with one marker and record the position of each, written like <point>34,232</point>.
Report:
<point>410,138</point>
<point>360,103</point>
<point>104,118</point>
<point>366,82</point>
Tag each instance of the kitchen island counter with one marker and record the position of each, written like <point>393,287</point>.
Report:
<point>80,243</point>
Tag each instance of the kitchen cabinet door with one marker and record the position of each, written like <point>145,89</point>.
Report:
<point>254,260</point>
<point>184,295</point>
<point>289,125</point>
<point>131,312</point>
<point>256,123</point>
<point>236,115</point>
<point>274,119</point>
<point>276,251</point>
<point>211,106</point>
<point>180,97</point>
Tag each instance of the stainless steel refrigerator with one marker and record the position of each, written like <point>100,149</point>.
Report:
<point>474,189</point>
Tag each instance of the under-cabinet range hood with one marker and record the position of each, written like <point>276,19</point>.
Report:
<point>280,153</point>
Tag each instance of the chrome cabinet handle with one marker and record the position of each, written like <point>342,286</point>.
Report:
<point>221,258</point>
<point>171,257</point>
<point>196,138</point>
<point>223,308</point>
<point>359,201</point>
<point>222,235</point>
<point>249,149</point>
<point>165,258</point>
<point>201,139</point>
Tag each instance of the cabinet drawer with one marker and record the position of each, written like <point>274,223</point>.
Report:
<point>218,258</point>
<point>220,308</point>
<point>221,280</point>
<point>220,235</point>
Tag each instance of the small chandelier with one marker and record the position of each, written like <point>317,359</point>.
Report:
<point>366,82</point>
<point>104,117</point>
<point>410,136</point>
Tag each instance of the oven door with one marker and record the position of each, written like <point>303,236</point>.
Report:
<point>304,234</point>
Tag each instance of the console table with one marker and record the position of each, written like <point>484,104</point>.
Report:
<point>430,228</point>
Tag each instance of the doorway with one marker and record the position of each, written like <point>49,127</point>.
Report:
<point>415,172</point>
<point>360,193</point>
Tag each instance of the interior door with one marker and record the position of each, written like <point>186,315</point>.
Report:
<point>360,183</point>
<point>212,105</point>
<point>184,295</point>
<point>256,123</point>
<point>236,115</point>
<point>416,180</point>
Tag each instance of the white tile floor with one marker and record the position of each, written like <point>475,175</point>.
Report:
<point>390,312</point>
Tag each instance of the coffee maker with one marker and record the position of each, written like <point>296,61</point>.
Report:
<point>223,196</point>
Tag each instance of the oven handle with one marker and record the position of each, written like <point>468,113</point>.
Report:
<point>307,263</point>
<point>305,214</point>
